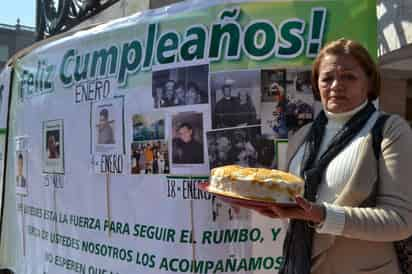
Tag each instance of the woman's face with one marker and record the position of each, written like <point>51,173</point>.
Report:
<point>191,95</point>
<point>342,83</point>
<point>180,92</point>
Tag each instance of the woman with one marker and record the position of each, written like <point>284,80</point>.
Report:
<point>192,94</point>
<point>180,93</point>
<point>333,230</point>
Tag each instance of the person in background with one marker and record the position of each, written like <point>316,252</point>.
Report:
<point>224,147</point>
<point>355,205</point>
<point>180,93</point>
<point>243,150</point>
<point>148,152</point>
<point>161,161</point>
<point>226,109</point>
<point>158,96</point>
<point>20,178</point>
<point>246,110</point>
<point>52,148</point>
<point>105,133</point>
<point>192,94</point>
<point>169,96</point>
<point>136,159</point>
<point>186,150</point>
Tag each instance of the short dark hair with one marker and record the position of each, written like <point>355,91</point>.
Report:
<point>170,81</point>
<point>360,54</point>
<point>186,125</point>
<point>105,113</point>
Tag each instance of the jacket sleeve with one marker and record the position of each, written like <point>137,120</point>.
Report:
<point>294,143</point>
<point>391,218</point>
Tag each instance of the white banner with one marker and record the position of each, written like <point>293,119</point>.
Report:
<point>113,128</point>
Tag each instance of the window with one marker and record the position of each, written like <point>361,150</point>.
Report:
<point>4,53</point>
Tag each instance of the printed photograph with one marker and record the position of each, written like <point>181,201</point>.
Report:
<point>150,157</point>
<point>180,86</point>
<point>273,84</point>
<point>241,146</point>
<point>107,126</point>
<point>187,134</point>
<point>21,173</point>
<point>148,127</point>
<point>300,100</point>
<point>53,147</point>
<point>274,123</point>
<point>291,107</point>
<point>235,99</point>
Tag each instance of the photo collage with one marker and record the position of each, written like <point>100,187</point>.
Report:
<point>252,110</point>
<point>197,118</point>
<point>248,110</point>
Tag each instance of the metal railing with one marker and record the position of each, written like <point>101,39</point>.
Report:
<point>57,16</point>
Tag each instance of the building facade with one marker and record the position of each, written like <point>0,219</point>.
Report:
<point>12,39</point>
<point>395,56</point>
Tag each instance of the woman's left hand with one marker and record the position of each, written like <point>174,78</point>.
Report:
<point>305,210</point>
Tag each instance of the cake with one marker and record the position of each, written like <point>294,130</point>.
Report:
<point>255,184</point>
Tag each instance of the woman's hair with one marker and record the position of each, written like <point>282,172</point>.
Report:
<point>361,55</point>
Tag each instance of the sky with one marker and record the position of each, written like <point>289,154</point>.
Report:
<point>12,9</point>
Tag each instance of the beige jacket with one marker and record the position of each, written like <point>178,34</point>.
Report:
<point>365,246</point>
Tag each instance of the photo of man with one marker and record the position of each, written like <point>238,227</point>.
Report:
<point>107,127</point>
<point>187,146</point>
<point>226,109</point>
<point>21,179</point>
<point>169,97</point>
<point>53,146</point>
<point>235,99</point>
<point>105,134</point>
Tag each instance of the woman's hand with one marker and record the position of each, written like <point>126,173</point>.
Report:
<point>305,210</point>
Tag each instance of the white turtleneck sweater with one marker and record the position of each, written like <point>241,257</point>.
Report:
<point>339,169</point>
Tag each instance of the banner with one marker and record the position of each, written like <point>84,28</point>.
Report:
<point>113,128</point>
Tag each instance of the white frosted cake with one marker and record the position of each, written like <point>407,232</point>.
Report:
<point>255,183</point>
